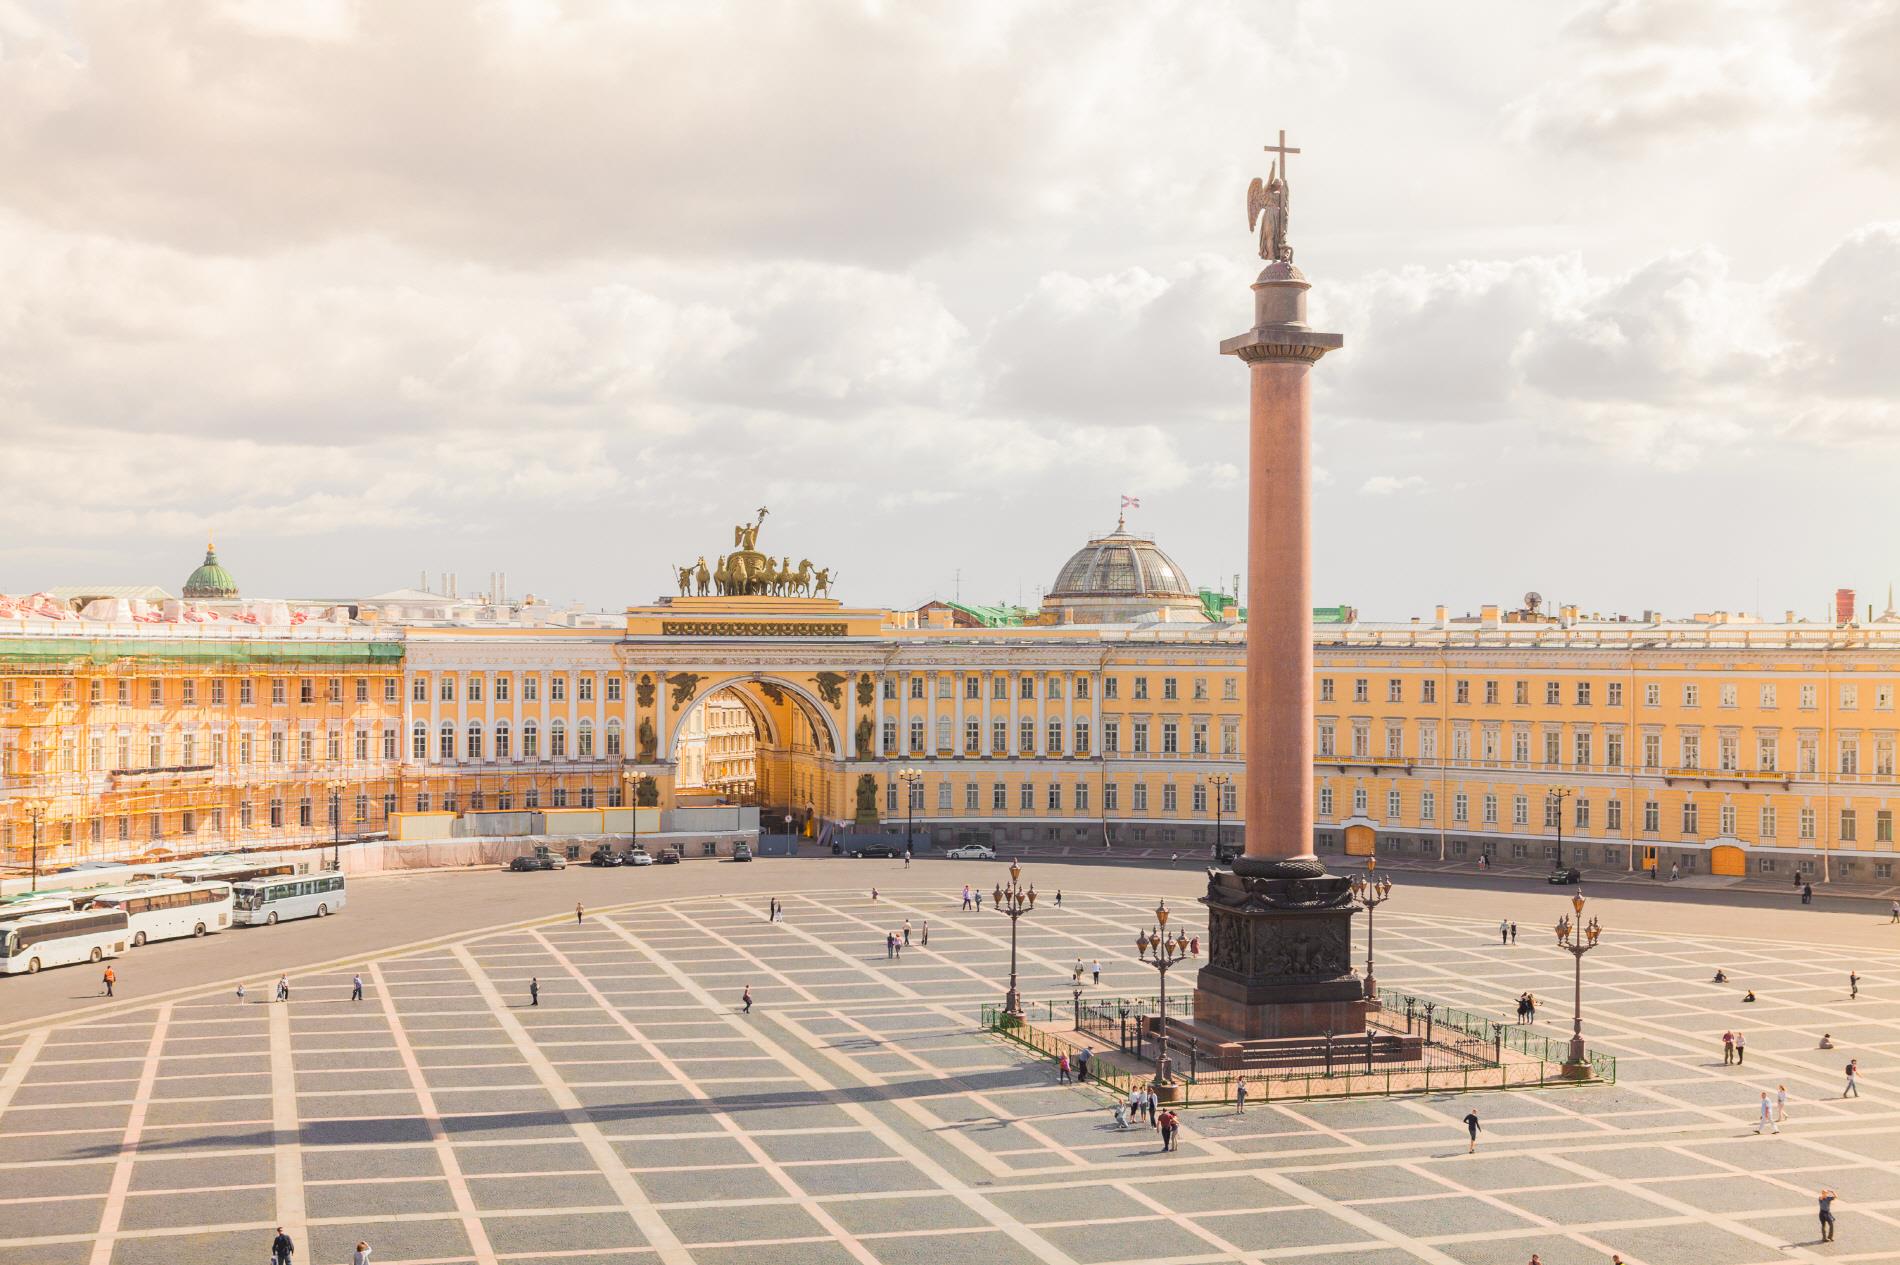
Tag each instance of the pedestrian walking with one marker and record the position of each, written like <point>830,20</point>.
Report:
<point>890,945</point>
<point>966,897</point>
<point>906,931</point>
<point>907,858</point>
<point>746,1000</point>
<point>1472,1126</point>
<point>108,980</point>
<point>1853,985</point>
<point>240,992</point>
<point>874,895</point>
<point>1240,1097</point>
<point>1853,1079</point>
<point>1062,1068</point>
<point>1095,969</point>
<point>1894,906</point>
<point>1781,1104</point>
<point>283,988</point>
<point>1170,1129</point>
<point>1530,1007</point>
<point>281,1248</point>
<point>1504,932</point>
<point>1058,898</point>
<point>1513,933</point>
<point>1082,1063</point>
<point>1194,946</point>
<point>579,913</point>
<point>1741,1049</point>
<point>361,1255</point>
<point>534,991</point>
<point>923,938</point>
<point>1076,973</point>
<point>1675,871</point>
<point>356,987</point>
<point>1154,1105</point>
<point>1827,1215</point>
<point>978,898</point>
<point>1767,1120</point>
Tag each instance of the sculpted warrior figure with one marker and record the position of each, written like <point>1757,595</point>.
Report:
<point>686,581</point>
<point>821,583</point>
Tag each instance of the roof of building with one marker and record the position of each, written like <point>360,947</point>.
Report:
<point>210,579</point>
<point>144,592</point>
<point>1121,564</point>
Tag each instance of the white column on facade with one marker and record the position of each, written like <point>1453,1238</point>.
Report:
<point>1015,680</point>
<point>1042,712</point>
<point>661,748</point>
<point>984,689</point>
<point>1095,714</point>
<point>877,714</point>
<point>1068,712</point>
<point>956,732</point>
<point>903,712</point>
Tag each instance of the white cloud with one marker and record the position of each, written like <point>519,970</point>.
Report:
<point>1388,484</point>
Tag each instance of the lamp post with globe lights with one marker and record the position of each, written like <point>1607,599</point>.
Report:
<point>910,777</point>
<point>335,786</point>
<point>1370,893</point>
<point>1578,939</point>
<point>1220,782</point>
<point>1013,901</point>
<point>1163,950</point>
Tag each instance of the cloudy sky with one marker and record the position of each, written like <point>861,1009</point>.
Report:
<point>566,290</point>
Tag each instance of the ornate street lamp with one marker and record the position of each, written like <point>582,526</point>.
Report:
<point>1370,893</point>
<point>1579,940</point>
<point>632,779</point>
<point>1557,795</point>
<point>1013,901</point>
<point>1220,782</point>
<point>36,809</point>
<point>910,778</point>
<point>1161,949</point>
<point>335,786</point>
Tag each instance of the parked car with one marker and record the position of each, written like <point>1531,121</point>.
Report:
<point>741,852</point>
<point>604,855</point>
<point>1571,875</point>
<point>669,856</point>
<point>541,858</point>
<point>972,852</point>
<point>639,856</point>
<point>870,848</point>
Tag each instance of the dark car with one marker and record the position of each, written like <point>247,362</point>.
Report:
<point>1571,875</point>
<point>604,855</point>
<point>870,848</point>
<point>741,852</point>
<point>539,859</point>
<point>669,856</point>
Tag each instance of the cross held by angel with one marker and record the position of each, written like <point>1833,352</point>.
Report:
<point>1267,206</point>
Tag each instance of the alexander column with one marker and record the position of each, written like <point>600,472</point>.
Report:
<point>1279,926</point>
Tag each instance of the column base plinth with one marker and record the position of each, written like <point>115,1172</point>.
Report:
<point>1279,961</point>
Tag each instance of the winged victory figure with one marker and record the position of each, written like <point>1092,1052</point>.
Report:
<point>1267,207</point>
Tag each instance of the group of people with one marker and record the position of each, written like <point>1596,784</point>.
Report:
<point>283,1250</point>
<point>1077,1068</point>
<point>1526,1007</point>
<point>1143,1101</point>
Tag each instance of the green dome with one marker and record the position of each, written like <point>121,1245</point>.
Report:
<point>210,579</point>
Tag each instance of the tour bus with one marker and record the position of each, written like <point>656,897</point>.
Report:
<point>61,939</point>
<point>168,908</point>
<point>38,903</point>
<point>268,901</point>
<point>221,869</point>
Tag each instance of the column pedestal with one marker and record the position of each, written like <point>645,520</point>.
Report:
<point>1279,960</point>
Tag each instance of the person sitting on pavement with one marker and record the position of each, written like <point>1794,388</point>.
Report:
<point>1721,976</point>
<point>1749,995</point>
<point>1827,1041</point>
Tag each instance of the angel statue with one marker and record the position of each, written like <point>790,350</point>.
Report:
<point>1267,207</point>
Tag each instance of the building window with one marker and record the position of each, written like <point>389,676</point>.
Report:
<point>584,687</point>
<point>1460,806</point>
<point>1394,690</point>
<point>1769,821</point>
<point>999,737</point>
<point>1141,737</point>
<point>972,687</point>
<point>1491,693</point>
<point>1850,755</point>
<point>557,737</point>
<point>530,690</point>
<point>1393,805</point>
<point>1850,697</point>
<point>614,747</point>
<point>1026,797</point>
<point>1848,823</point>
<point>502,751</point>
<point>916,686</point>
<point>1613,814</point>
<point>1520,810</point>
<point>1111,687</point>
<point>1652,816</point>
<point>1428,805</point>
<point>1326,801</point>
<point>1169,801</point>
<point>1806,823</point>
<point>1170,738</point>
<point>446,748</point>
<point>1081,797</point>
<point>1690,817</point>
<point>1553,693</point>
<point>279,691</point>
<point>419,747</point>
<point>613,689</point>
<point>530,740</point>
<point>1883,825</point>
<point>557,797</point>
<point>1490,810</point>
<point>1055,738</point>
<point>1141,797</point>
<point>1026,736</point>
<point>584,738</point>
<point>1583,813</point>
<point>1652,694</point>
<point>1081,737</point>
<point>1081,687</point>
<point>1111,737</point>
<point>916,735</point>
<point>943,797</point>
<point>999,797</point>
<point>1112,797</point>
<point>1326,737</point>
<point>1428,691</point>
<point>972,737</point>
<point>447,688</point>
<point>969,797</point>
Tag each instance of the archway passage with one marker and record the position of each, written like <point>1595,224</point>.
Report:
<point>1728,861</point>
<point>760,743</point>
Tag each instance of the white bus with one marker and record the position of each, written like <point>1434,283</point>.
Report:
<point>38,903</point>
<point>268,901</point>
<point>168,908</point>
<point>58,939</point>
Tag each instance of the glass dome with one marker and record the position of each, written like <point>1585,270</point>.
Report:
<point>1121,565</point>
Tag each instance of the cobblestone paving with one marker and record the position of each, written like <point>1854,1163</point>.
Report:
<point>855,1115</point>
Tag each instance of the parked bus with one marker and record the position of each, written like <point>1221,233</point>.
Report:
<point>268,901</point>
<point>19,907</point>
<point>57,939</point>
<point>169,908</point>
<point>223,868</point>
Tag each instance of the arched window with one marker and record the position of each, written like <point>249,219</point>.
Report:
<point>584,739</point>
<point>613,737</point>
<point>557,738</point>
<point>501,740</point>
<point>530,740</point>
<point>447,751</point>
<point>419,741</point>
<point>474,740</point>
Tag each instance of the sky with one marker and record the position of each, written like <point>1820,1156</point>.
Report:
<point>567,290</point>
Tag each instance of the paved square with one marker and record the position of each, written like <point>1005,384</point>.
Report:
<point>635,1115</point>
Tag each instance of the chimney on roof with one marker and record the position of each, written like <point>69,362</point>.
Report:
<point>1843,606</point>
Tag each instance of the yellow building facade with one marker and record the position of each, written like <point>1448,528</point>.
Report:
<point>1712,744</point>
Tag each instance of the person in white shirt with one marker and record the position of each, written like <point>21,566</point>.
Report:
<point>1767,1120</point>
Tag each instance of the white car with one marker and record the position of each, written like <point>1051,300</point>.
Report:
<point>972,852</point>
<point>639,857</point>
